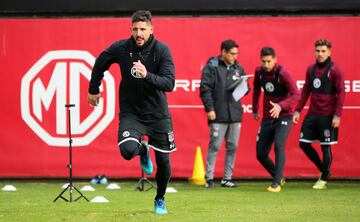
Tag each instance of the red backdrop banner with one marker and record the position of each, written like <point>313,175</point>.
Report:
<point>46,63</point>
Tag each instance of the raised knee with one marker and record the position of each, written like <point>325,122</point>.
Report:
<point>129,149</point>
<point>125,153</point>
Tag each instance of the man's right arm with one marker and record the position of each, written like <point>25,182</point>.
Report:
<point>305,93</point>
<point>207,85</point>
<point>102,64</point>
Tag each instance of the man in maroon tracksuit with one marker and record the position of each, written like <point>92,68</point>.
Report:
<point>280,93</point>
<point>325,83</point>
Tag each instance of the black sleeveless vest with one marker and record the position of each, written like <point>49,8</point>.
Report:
<point>273,87</point>
<point>322,84</point>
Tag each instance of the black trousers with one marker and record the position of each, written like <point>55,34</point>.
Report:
<point>273,131</point>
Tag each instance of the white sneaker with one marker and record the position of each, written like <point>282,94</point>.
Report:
<point>282,181</point>
<point>320,185</point>
<point>228,183</point>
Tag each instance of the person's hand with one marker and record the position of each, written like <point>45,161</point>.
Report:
<point>296,118</point>
<point>211,115</point>
<point>275,111</point>
<point>335,122</point>
<point>140,69</point>
<point>93,99</point>
<point>256,116</point>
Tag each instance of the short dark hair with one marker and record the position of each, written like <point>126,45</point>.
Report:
<point>228,44</point>
<point>323,42</point>
<point>141,16</point>
<point>267,51</point>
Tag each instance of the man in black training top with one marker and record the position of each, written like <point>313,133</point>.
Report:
<point>147,71</point>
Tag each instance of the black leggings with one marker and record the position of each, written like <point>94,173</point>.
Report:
<point>273,131</point>
<point>131,148</point>
<point>324,165</point>
<point>163,173</point>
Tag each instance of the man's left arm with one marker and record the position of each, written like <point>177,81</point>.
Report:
<point>293,92</point>
<point>165,79</point>
<point>339,83</point>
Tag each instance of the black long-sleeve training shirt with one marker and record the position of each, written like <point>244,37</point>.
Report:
<point>146,97</point>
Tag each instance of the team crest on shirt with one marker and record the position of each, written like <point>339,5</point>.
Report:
<point>317,83</point>
<point>236,75</point>
<point>171,136</point>
<point>135,73</point>
<point>269,87</point>
<point>327,133</point>
<point>126,134</point>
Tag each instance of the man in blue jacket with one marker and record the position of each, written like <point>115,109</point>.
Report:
<point>224,113</point>
<point>147,71</point>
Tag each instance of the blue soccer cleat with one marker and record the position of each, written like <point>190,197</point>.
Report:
<point>159,206</point>
<point>145,160</point>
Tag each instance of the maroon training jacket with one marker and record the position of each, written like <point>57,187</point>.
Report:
<point>323,104</point>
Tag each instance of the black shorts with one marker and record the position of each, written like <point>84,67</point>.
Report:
<point>160,132</point>
<point>318,128</point>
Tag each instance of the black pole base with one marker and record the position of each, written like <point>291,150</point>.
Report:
<point>71,187</point>
<point>141,183</point>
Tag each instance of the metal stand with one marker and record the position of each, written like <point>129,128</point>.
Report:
<point>70,187</point>
<point>141,184</point>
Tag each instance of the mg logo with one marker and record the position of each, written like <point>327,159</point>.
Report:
<point>58,78</point>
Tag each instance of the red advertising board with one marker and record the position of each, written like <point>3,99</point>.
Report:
<point>46,63</point>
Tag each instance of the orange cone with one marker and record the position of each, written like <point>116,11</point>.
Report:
<point>198,177</point>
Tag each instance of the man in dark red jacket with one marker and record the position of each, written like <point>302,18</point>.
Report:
<point>324,84</point>
<point>280,93</point>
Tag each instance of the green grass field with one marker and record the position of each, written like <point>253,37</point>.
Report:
<point>248,202</point>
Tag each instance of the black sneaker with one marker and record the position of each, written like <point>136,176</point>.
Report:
<point>210,184</point>
<point>228,183</point>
